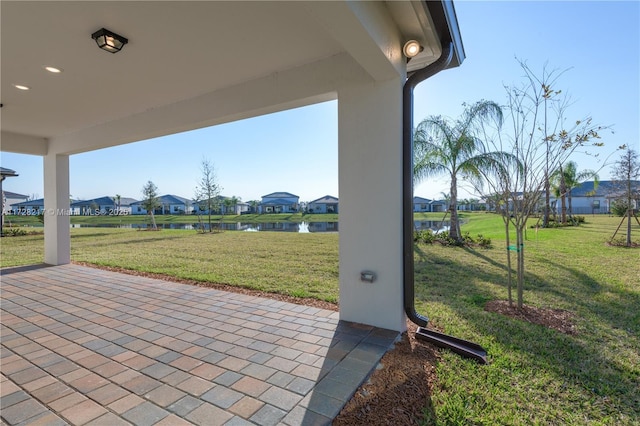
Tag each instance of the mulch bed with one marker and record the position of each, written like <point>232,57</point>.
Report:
<point>556,319</point>
<point>399,391</point>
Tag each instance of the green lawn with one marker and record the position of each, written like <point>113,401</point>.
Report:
<point>535,375</point>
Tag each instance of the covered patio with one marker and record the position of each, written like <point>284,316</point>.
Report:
<point>91,347</point>
<point>87,346</point>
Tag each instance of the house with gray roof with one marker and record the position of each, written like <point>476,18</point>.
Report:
<point>11,198</point>
<point>326,204</point>
<point>168,204</point>
<point>279,202</point>
<point>222,205</point>
<point>588,198</point>
<point>102,206</point>
<point>28,208</point>
<point>421,204</point>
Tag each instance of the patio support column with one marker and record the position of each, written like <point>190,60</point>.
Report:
<point>57,242</point>
<point>370,178</point>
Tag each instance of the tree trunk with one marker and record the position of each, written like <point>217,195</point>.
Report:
<point>454,229</point>
<point>520,251</point>
<point>570,208</point>
<point>509,271</point>
<point>563,197</point>
<point>547,202</point>
<point>153,222</point>
<point>629,211</point>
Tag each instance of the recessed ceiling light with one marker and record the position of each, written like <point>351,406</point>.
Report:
<point>53,69</point>
<point>21,86</point>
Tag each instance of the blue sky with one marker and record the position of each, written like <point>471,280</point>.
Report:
<point>297,151</point>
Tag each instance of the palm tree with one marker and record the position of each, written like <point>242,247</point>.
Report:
<point>567,178</point>
<point>454,148</point>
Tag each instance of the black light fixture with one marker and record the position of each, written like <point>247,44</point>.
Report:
<point>109,41</point>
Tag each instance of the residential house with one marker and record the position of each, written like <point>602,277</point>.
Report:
<point>222,205</point>
<point>102,206</point>
<point>28,208</point>
<point>279,202</point>
<point>421,204</point>
<point>591,199</point>
<point>439,205</point>
<point>11,198</point>
<point>326,204</point>
<point>168,204</point>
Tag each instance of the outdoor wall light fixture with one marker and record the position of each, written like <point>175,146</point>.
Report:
<point>367,276</point>
<point>412,48</point>
<point>109,41</point>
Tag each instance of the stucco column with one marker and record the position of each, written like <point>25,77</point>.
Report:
<point>370,177</point>
<point>57,243</point>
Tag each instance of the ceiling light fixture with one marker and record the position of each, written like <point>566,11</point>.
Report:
<point>21,86</point>
<point>412,48</point>
<point>53,70</point>
<point>109,41</point>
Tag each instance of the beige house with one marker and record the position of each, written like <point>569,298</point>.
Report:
<point>188,65</point>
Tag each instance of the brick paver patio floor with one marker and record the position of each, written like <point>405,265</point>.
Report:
<point>84,346</point>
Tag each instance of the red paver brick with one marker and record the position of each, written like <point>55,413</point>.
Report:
<point>250,386</point>
<point>207,371</point>
<point>138,362</point>
<point>109,419</point>
<point>67,401</point>
<point>109,369</point>
<point>209,415</point>
<point>164,395</point>
<point>195,386</point>
<point>39,383</point>
<point>246,407</point>
<point>141,385</point>
<point>83,412</point>
<point>125,404</point>
<point>173,420</point>
<point>108,394</point>
<point>186,363</point>
<point>88,383</point>
<point>92,360</point>
<point>51,392</point>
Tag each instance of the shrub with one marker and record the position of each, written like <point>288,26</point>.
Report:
<point>14,232</point>
<point>424,236</point>
<point>484,242</point>
<point>619,207</point>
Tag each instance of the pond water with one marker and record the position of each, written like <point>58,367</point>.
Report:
<point>303,227</point>
<point>435,225</point>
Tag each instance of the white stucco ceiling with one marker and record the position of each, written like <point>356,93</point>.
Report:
<point>178,50</point>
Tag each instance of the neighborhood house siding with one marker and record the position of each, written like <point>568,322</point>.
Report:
<point>33,207</point>
<point>167,204</point>
<point>279,202</point>
<point>587,200</point>
<point>326,204</point>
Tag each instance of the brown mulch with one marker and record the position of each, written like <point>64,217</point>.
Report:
<point>556,319</point>
<point>399,391</point>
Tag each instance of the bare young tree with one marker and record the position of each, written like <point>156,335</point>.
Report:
<point>625,173</point>
<point>150,201</point>
<point>207,189</point>
<point>538,137</point>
